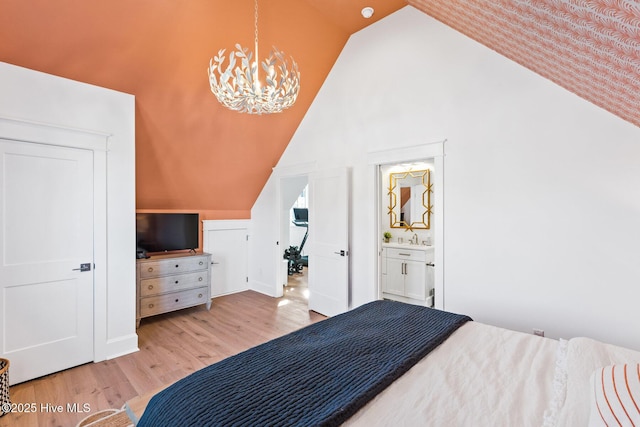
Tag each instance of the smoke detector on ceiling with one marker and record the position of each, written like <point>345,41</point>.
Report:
<point>367,12</point>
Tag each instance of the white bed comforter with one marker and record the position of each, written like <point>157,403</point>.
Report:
<point>488,376</point>
<point>481,376</point>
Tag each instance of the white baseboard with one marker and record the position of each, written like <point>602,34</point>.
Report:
<point>122,345</point>
<point>263,288</point>
<point>229,293</point>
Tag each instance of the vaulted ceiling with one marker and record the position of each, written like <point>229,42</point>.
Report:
<point>192,153</point>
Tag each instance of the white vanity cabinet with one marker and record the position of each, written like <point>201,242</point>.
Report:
<point>407,273</point>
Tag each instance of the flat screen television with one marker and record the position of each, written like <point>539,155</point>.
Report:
<point>164,232</point>
<point>301,214</point>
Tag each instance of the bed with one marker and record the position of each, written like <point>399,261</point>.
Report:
<point>389,363</point>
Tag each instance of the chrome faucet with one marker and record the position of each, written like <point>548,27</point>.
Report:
<point>415,237</point>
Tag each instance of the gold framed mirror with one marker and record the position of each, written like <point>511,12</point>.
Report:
<point>410,199</point>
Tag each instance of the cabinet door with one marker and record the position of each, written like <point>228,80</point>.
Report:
<point>415,280</point>
<point>228,249</point>
<point>395,277</point>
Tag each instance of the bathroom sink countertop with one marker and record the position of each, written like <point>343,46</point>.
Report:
<point>406,245</point>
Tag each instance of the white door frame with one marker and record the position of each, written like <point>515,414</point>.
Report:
<point>433,151</point>
<point>30,132</point>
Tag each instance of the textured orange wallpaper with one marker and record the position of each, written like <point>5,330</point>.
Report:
<point>590,47</point>
<point>191,153</point>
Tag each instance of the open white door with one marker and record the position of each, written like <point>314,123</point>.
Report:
<point>328,245</point>
<point>46,258</point>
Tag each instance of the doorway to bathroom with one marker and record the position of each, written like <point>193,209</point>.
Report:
<point>405,225</point>
<point>407,256</point>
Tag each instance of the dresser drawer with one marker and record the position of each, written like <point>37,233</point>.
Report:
<point>172,301</point>
<point>176,282</point>
<point>172,266</point>
<point>408,254</point>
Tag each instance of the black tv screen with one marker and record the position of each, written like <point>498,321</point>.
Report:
<point>301,214</point>
<point>163,232</point>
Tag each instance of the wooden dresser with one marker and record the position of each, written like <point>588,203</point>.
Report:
<point>172,282</point>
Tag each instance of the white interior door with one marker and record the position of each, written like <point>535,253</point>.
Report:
<point>228,249</point>
<point>328,245</point>
<point>46,233</point>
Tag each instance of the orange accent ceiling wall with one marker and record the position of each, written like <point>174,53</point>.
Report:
<point>191,153</point>
<point>194,155</point>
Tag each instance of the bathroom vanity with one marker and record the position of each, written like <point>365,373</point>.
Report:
<point>407,273</point>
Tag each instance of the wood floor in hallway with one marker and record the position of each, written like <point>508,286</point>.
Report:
<point>172,346</point>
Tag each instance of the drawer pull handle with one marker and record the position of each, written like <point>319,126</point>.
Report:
<point>404,254</point>
<point>150,269</point>
<point>199,279</point>
<point>199,295</point>
<point>177,300</point>
<point>176,282</point>
<point>150,287</point>
<point>201,262</point>
<point>177,265</point>
<point>150,305</point>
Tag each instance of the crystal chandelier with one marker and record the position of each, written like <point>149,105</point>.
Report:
<point>238,87</point>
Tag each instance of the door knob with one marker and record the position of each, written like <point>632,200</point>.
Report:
<point>83,267</point>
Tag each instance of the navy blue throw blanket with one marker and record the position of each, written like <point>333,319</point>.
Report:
<point>317,376</point>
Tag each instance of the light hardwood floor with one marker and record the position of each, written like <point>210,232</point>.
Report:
<point>171,346</point>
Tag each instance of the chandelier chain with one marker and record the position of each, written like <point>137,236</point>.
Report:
<point>255,24</point>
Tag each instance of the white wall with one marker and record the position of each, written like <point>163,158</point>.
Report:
<point>264,243</point>
<point>31,99</point>
<point>542,188</point>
